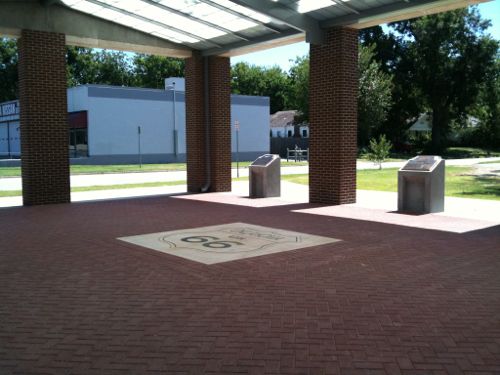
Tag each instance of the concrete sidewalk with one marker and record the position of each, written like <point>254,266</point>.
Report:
<point>15,183</point>
<point>461,214</point>
<point>385,300</point>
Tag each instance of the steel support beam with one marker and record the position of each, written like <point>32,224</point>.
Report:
<point>396,12</point>
<point>283,14</point>
<point>240,48</point>
<point>82,29</point>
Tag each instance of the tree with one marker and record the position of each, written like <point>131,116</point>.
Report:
<point>82,67</point>
<point>115,68</point>
<point>8,69</point>
<point>385,46</point>
<point>374,95</point>
<point>256,80</point>
<point>298,94</point>
<point>90,66</point>
<point>151,70</point>
<point>487,109</point>
<point>448,55</point>
<point>379,150</point>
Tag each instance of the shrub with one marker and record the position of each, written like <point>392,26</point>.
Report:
<point>379,150</point>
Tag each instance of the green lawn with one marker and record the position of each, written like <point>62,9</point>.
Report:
<point>128,168</point>
<point>449,153</point>
<point>490,162</point>
<point>469,152</point>
<point>458,182</point>
<point>15,193</point>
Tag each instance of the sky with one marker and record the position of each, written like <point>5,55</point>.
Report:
<point>284,56</point>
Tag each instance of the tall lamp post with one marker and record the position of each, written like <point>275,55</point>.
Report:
<point>237,130</point>
<point>175,124</point>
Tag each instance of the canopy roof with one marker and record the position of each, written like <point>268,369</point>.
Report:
<point>221,26</point>
<point>213,27</point>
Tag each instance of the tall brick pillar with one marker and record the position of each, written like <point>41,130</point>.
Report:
<point>333,117</point>
<point>44,126</point>
<point>218,107</point>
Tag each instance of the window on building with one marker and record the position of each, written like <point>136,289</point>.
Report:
<point>78,143</point>
<point>304,133</point>
<point>290,133</point>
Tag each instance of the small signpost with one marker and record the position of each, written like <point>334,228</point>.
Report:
<point>237,130</point>
<point>139,145</point>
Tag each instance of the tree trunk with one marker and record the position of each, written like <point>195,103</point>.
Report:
<point>439,126</point>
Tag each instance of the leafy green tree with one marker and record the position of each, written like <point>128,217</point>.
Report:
<point>151,70</point>
<point>91,66</point>
<point>384,46</point>
<point>448,55</point>
<point>374,95</point>
<point>406,97</point>
<point>256,80</point>
<point>8,69</point>
<point>298,93</point>
<point>487,109</point>
<point>115,68</point>
<point>379,150</point>
<point>82,66</point>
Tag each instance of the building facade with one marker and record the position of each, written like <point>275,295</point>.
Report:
<point>283,125</point>
<point>118,125</point>
<point>10,130</point>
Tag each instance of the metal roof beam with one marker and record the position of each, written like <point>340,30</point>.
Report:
<point>401,10</point>
<point>261,39</point>
<point>290,17</point>
<point>200,20</point>
<point>349,8</point>
<point>82,29</point>
<point>240,15</point>
<point>134,15</point>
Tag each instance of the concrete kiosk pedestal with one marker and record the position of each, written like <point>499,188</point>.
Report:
<point>421,185</point>
<point>265,176</point>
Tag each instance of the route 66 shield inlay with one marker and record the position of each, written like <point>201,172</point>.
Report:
<point>223,243</point>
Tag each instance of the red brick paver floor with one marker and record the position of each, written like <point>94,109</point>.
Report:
<point>386,300</point>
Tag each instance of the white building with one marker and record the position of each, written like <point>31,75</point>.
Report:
<point>424,123</point>
<point>10,139</point>
<point>110,124</point>
<point>282,125</point>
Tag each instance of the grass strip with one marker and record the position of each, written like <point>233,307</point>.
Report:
<point>132,168</point>
<point>459,182</point>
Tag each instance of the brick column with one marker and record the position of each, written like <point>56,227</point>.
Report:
<point>195,123</point>
<point>44,126</point>
<point>333,118</point>
<point>219,110</point>
<point>219,87</point>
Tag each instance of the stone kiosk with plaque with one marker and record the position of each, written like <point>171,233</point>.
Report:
<point>421,185</point>
<point>265,176</point>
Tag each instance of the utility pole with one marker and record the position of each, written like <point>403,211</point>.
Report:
<point>139,145</point>
<point>237,130</point>
<point>175,124</point>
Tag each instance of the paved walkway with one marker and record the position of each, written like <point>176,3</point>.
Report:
<point>144,177</point>
<point>387,299</point>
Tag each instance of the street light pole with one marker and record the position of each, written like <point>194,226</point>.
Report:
<point>175,124</point>
<point>237,130</point>
<point>139,145</point>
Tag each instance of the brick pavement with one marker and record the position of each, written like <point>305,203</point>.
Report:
<point>387,300</point>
